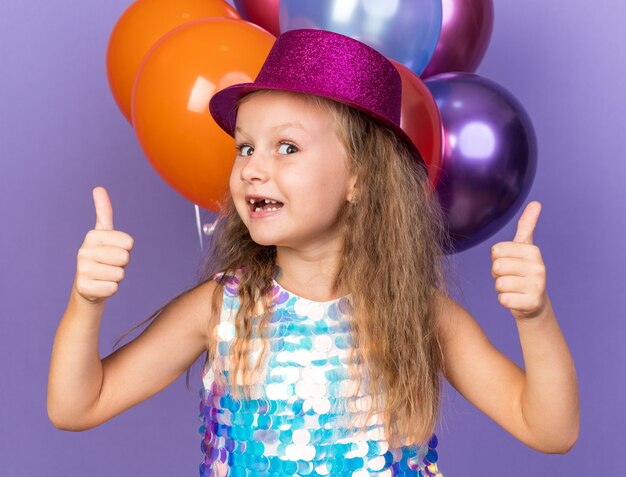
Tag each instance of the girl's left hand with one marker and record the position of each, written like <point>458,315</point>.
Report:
<point>518,269</point>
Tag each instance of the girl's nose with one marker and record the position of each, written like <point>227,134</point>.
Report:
<point>255,168</point>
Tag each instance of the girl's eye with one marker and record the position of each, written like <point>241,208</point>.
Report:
<point>290,147</point>
<point>247,150</point>
<point>242,149</point>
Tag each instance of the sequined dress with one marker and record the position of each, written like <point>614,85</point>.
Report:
<point>292,424</point>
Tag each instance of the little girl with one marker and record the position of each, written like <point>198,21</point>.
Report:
<point>322,307</point>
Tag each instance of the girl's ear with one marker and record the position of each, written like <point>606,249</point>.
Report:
<point>352,195</point>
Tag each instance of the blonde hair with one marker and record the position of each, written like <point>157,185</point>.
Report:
<point>393,264</point>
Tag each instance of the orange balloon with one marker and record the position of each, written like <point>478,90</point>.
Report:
<point>139,27</point>
<point>421,120</point>
<point>170,102</point>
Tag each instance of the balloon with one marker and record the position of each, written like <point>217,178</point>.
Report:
<point>465,33</point>
<point>420,119</point>
<point>171,96</point>
<point>262,12</point>
<point>489,157</point>
<point>139,27</point>
<point>403,30</point>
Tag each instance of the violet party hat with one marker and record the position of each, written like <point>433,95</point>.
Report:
<point>327,64</point>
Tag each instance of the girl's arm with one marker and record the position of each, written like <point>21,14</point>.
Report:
<point>84,391</point>
<point>539,406</point>
<point>75,374</point>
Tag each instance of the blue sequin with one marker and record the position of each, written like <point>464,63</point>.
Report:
<point>294,423</point>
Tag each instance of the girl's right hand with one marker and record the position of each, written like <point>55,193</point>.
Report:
<point>103,254</point>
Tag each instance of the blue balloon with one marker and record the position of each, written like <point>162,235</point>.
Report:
<point>489,158</point>
<point>404,30</point>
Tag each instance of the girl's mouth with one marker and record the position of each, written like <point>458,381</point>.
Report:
<point>263,207</point>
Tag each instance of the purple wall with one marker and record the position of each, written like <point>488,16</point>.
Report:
<point>61,134</point>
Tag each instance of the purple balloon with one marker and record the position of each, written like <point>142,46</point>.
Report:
<point>466,28</point>
<point>489,156</point>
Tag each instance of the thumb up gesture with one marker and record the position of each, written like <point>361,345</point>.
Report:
<point>103,254</point>
<point>518,269</point>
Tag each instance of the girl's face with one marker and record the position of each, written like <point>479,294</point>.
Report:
<point>288,151</point>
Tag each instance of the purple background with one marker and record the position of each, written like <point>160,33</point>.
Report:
<point>61,134</point>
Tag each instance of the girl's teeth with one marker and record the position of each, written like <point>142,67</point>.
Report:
<point>270,209</point>
<point>267,201</point>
